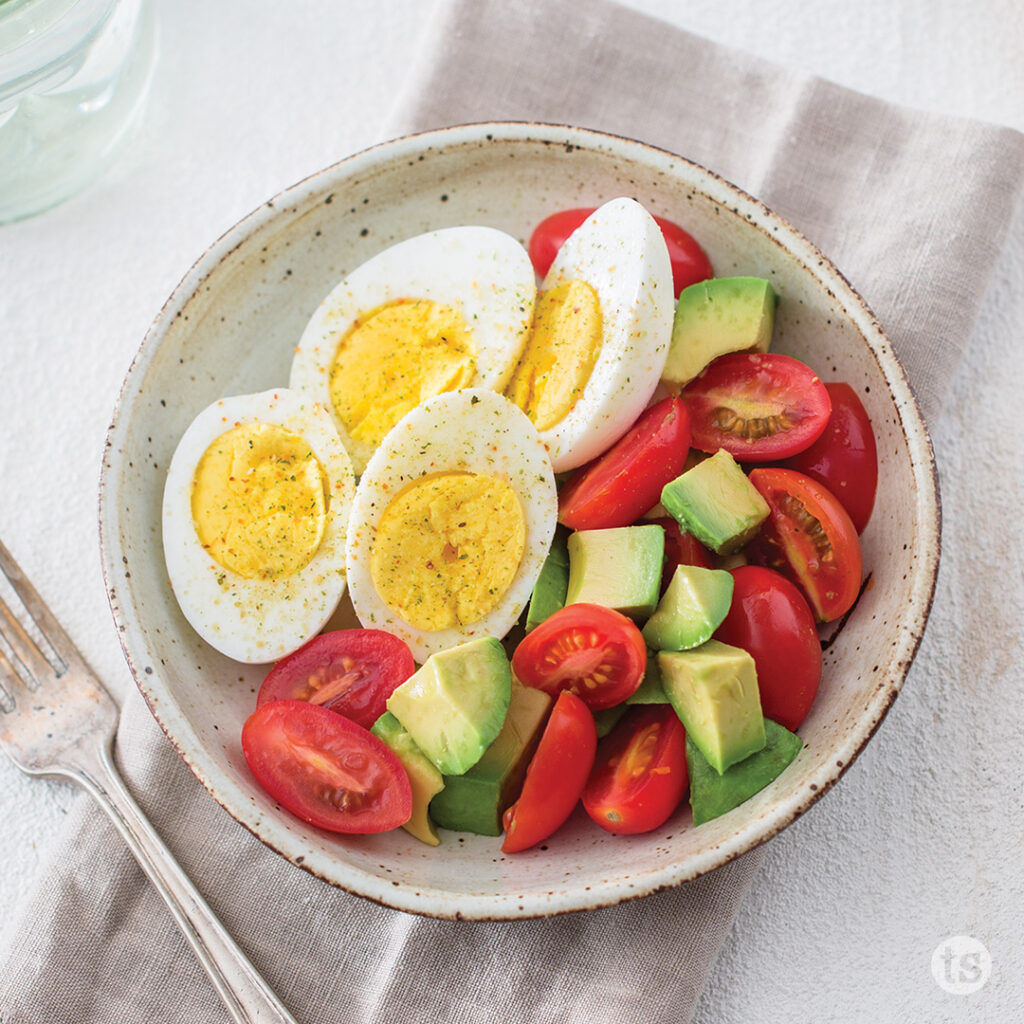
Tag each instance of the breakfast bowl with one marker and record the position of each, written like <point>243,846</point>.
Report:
<point>231,327</point>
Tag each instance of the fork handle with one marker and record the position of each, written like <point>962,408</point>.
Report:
<point>248,998</point>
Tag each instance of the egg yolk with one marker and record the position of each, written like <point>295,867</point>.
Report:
<point>394,359</point>
<point>560,354</point>
<point>447,548</point>
<point>259,501</point>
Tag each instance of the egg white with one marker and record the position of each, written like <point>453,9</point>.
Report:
<point>483,273</point>
<point>256,620</point>
<point>620,252</point>
<point>475,431</point>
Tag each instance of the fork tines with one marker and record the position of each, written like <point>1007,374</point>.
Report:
<point>8,678</point>
<point>25,659</point>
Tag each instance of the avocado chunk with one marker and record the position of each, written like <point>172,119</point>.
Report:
<point>691,609</point>
<point>476,800</point>
<point>552,584</point>
<point>723,314</point>
<point>425,779</point>
<point>455,704</point>
<point>650,690</point>
<point>619,568</point>
<point>712,794</point>
<point>717,503</point>
<point>713,689</point>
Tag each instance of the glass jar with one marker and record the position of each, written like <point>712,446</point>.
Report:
<point>73,78</point>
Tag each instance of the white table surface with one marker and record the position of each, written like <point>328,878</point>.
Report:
<point>252,95</point>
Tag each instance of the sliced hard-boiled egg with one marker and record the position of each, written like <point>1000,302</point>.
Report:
<point>602,326</point>
<point>444,310</point>
<point>451,522</point>
<point>255,510</point>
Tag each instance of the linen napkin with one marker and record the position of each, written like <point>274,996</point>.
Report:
<point>869,183</point>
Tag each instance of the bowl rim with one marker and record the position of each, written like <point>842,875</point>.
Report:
<point>439,903</point>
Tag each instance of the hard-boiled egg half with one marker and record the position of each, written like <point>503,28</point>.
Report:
<point>451,522</point>
<point>444,310</point>
<point>602,326</point>
<point>255,510</point>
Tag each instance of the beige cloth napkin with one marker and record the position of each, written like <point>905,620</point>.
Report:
<point>912,207</point>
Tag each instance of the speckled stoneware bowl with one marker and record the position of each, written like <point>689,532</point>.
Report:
<point>230,328</point>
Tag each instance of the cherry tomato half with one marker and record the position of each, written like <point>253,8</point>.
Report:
<point>808,537</point>
<point>623,483</point>
<point>770,619</point>
<point>555,776</point>
<point>757,406</point>
<point>639,774</point>
<point>690,263</point>
<point>592,651</point>
<point>845,457</point>
<point>326,769</point>
<point>350,671</point>
<point>681,548</point>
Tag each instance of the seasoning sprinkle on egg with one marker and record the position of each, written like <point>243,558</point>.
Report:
<point>255,512</point>
<point>438,312</point>
<point>259,501</point>
<point>446,548</point>
<point>601,335</point>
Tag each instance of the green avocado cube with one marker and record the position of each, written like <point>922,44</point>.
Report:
<point>476,800</point>
<point>713,317</point>
<point>712,793</point>
<point>713,689</point>
<point>650,690</point>
<point>717,503</point>
<point>426,781</point>
<point>455,704</point>
<point>552,584</point>
<point>693,606</point>
<point>619,568</point>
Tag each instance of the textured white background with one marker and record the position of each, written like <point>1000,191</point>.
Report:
<point>924,838</point>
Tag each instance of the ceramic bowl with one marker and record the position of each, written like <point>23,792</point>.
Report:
<point>229,328</point>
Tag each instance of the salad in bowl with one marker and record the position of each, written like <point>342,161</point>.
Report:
<point>505,555</point>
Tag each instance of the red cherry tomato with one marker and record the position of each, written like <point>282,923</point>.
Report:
<point>690,263</point>
<point>555,777</point>
<point>757,406</point>
<point>681,548</point>
<point>639,774</point>
<point>623,483</point>
<point>350,671</point>
<point>326,769</point>
<point>592,651</point>
<point>809,537</point>
<point>844,458</point>
<point>770,619</point>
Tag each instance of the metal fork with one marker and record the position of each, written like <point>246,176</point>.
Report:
<point>57,721</point>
